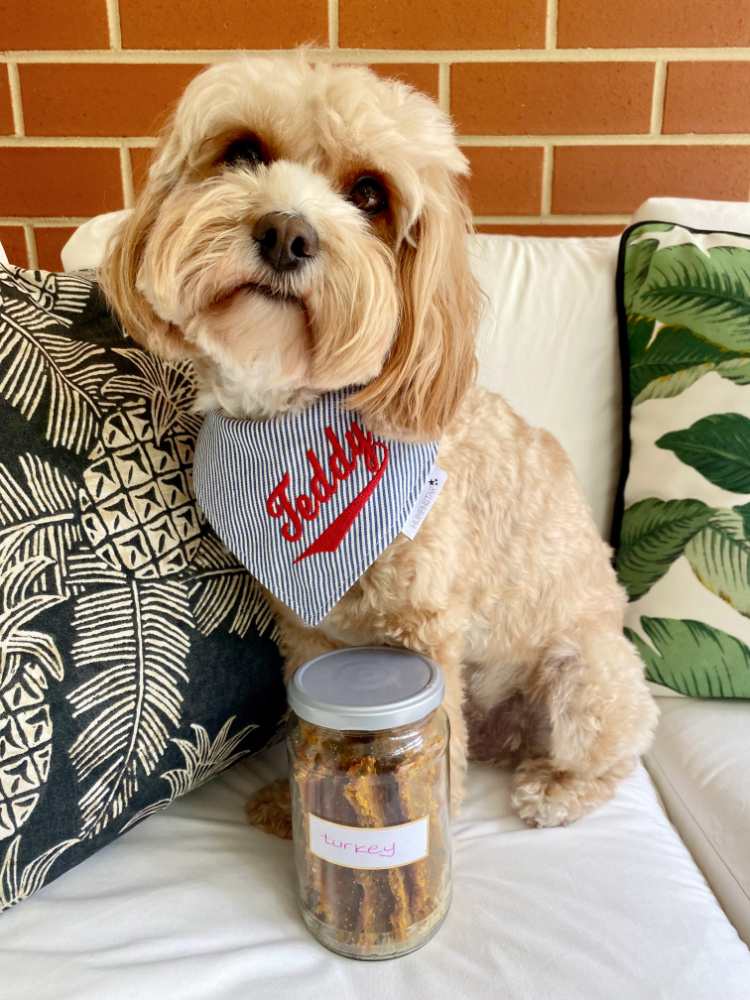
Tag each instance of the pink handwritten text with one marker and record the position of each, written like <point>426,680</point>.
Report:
<point>354,848</point>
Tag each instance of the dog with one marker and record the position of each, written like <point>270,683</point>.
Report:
<point>304,229</point>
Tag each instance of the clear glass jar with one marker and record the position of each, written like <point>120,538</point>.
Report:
<point>371,808</point>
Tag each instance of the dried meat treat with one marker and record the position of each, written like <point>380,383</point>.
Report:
<point>371,819</point>
<point>367,792</point>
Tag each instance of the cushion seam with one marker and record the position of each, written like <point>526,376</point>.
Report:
<point>651,761</point>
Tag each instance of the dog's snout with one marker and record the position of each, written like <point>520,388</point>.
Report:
<point>285,241</point>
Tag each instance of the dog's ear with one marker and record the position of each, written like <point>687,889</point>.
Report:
<point>432,363</point>
<point>118,275</point>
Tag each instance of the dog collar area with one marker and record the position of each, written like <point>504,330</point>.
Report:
<point>366,688</point>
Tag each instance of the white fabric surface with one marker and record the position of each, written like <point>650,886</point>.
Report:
<point>700,762</point>
<point>549,345</point>
<point>85,248</point>
<point>733,216</point>
<point>195,905</point>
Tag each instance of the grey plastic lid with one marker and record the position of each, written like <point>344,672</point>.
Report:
<point>366,688</point>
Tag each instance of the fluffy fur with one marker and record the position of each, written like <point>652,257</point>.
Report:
<point>507,585</point>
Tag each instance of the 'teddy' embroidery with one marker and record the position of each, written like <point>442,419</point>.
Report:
<point>307,501</point>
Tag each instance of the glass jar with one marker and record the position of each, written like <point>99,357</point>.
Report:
<point>369,772</point>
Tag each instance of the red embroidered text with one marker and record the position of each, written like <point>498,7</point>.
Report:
<point>324,485</point>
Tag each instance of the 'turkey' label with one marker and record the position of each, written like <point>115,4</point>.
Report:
<point>354,847</point>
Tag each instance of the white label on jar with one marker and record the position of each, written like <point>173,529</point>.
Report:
<point>354,847</point>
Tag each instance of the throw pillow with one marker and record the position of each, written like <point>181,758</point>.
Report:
<point>136,654</point>
<point>683,551</point>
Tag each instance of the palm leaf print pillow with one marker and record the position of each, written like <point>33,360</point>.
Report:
<point>683,550</point>
<point>136,654</point>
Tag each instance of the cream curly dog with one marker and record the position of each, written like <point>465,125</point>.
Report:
<point>303,229</point>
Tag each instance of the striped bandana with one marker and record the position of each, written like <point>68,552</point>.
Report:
<point>307,501</point>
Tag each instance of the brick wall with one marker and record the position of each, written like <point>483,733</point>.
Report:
<point>571,111</point>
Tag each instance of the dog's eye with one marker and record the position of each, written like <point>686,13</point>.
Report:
<point>243,151</point>
<point>368,196</point>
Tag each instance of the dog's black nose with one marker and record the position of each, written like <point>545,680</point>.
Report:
<point>285,241</point>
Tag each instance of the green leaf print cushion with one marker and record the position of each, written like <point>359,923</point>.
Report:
<point>683,525</point>
<point>136,654</point>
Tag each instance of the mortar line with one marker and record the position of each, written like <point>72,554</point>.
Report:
<point>30,237</point>
<point>113,24</point>
<point>63,221</point>
<point>77,141</point>
<point>657,104</point>
<point>333,25</point>
<point>444,87</point>
<point>738,54</point>
<point>539,141</point>
<point>14,82</point>
<point>551,220</point>
<point>550,28</point>
<point>126,171</point>
<point>52,221</point>
<point>548,162</point>
<point>632,139</point>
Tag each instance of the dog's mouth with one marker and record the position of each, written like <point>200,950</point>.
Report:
<point>258,288</point>
<point>275,294</point>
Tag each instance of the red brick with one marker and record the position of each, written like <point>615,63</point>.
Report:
<point>505,181</point>
<point>707,97</point>
<point>139,161</point>
<point>441,24</point>
<point>53,24</point>
<point>623,24</point>
<point>551,98</point>
<point>222,24</point>
<point>6,108</point>
<point>616,179</point>
<point>100,100</point>
<point>13,241</point>
<point>421,76</point>
<point>551,229</point>
<point>52,182</point>
<point>49,242</point>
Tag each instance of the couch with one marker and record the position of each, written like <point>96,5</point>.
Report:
<point>648,897</point>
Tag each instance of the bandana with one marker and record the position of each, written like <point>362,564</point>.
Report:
<point>307,501</point>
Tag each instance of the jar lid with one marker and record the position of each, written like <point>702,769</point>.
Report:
<point>366,688</point>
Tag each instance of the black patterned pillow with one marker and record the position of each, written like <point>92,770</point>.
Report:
<point>136,654</point>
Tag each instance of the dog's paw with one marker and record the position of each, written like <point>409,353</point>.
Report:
<point>270,809</point>
<point>544,797</point>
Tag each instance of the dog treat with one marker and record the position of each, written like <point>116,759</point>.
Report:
<point>371,830</point>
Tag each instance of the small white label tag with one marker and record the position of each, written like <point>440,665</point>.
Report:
<point>354,847</point>
<point>425,500</point>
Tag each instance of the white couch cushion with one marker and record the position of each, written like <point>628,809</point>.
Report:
<point>85,247</point>
<point>732,216</point>
<point>548,344</point>
<point>194,904</point>
<point>700,761</point>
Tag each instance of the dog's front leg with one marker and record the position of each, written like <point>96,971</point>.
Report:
<point>601,718</point>
<point>447,653</point>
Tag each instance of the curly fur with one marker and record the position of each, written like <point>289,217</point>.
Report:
<point>507,585</point>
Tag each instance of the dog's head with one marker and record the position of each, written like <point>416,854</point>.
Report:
<point>302,229</point>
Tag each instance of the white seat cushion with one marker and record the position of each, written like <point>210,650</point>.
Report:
<point>193,904</point>
<point>700,762</point>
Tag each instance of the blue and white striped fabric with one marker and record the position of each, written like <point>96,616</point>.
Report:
<point>309,500</point>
